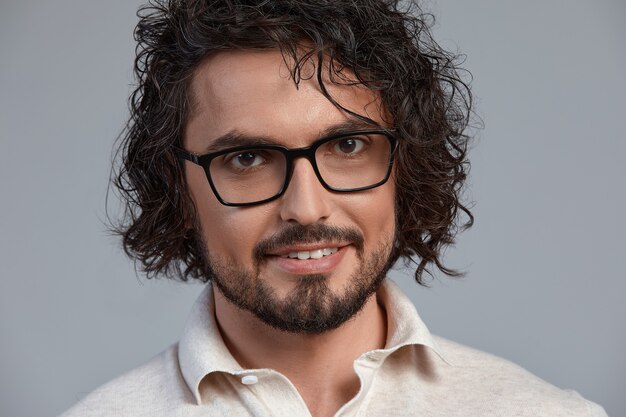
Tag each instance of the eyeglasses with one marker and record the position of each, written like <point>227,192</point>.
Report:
<point>346,162</point>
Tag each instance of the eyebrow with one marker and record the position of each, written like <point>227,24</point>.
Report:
<point>235,138</point>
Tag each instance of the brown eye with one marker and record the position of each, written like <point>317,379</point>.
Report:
<point>349,146</point>
<point>246,160</point>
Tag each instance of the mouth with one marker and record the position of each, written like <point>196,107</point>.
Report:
<point>310,254</point>
<point>305,251</point>
<point>308,259</point>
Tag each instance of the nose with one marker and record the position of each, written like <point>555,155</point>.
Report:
<point>305,201</point>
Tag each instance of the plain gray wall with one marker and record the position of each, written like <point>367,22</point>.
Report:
<point>545,285</point>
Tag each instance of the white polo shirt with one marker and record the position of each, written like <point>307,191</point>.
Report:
<point>416,374</point>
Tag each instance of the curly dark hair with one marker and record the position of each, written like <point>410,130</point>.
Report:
<point>388,46</point>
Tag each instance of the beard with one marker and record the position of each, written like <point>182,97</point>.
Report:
<point>311,306</point>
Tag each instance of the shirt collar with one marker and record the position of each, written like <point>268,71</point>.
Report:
<point>202,351</point>
<point>404,325</point>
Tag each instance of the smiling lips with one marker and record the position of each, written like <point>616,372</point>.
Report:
<point>316,260</point>
<point>311,254</point>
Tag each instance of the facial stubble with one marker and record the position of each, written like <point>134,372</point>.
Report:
<point>311,306</point>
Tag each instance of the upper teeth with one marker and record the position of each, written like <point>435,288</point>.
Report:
<point>312,254</point>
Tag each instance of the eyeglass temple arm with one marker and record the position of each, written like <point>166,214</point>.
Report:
<point>183,154</point>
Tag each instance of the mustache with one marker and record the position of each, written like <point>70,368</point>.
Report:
<point>295,233</point>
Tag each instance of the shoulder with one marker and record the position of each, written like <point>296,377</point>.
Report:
<point>505,386</point>
<point>144,391</point>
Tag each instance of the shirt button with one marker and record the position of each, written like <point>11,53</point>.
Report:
<point>249,380</point>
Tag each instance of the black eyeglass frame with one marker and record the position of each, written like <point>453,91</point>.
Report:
<point>307,152</point>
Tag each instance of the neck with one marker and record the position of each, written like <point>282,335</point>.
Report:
<point>319,365</point>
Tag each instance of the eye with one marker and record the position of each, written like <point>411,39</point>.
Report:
<point>348,146</point>
<point>248,159</point>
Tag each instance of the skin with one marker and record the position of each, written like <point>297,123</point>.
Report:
<point>251,92</point>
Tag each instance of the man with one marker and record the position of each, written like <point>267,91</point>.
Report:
<point>289,153</point>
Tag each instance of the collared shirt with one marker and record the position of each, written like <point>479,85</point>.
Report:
<point>415,374</point>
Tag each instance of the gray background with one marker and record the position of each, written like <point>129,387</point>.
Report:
<point>546,283</point>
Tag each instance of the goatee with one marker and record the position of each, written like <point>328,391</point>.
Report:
<point>311,307</point>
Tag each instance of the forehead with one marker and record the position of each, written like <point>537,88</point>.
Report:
<point>252,92</point>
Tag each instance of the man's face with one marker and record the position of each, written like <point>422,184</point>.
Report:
<point>250,93</point>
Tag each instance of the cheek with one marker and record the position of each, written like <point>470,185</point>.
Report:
<point>374,211</point>
<point>229,232</point>
<point>384,208</point>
